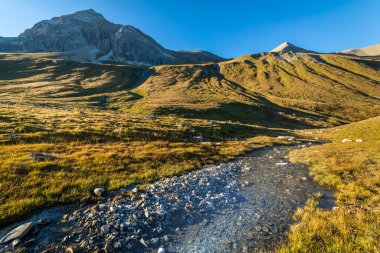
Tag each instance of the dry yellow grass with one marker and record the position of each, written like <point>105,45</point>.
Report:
<point>353,170</point>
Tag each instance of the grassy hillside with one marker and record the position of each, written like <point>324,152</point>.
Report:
<point>94,119</point>
<point>338,89</point>
<point>353,170</point>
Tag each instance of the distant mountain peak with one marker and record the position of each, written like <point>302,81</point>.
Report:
<point>289,47</point>
<point>373,50</point>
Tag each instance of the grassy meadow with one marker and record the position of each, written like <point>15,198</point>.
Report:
<point>79,113</point>
<point>116,125</point>
<point>353,170</point>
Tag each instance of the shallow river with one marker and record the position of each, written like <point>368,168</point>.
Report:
<point>242,206</point>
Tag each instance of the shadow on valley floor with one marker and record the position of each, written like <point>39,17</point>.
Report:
<point>268,115</point>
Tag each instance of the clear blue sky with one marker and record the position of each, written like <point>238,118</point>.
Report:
<point>228,28</point>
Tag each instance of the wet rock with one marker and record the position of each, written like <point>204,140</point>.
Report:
<point>15,242</point>
<point>84,244</point>
<point>65,239</point>
<point>99,191</point>
<point>161,250</point>
<point>117,245</point>
<point>43,222</point>
<point>17,233</point>
<point>142,241</point>
<point>154,242</point>
<point>105,229</point>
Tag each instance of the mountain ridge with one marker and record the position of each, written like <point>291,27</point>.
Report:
<point>87,36</point>
<point>372,50</point>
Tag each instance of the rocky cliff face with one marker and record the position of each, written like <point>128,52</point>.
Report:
<point>88,36</point>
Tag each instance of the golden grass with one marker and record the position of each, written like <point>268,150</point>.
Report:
<point>353,170</point>
<point>94,119</point>
<point>27,185</point>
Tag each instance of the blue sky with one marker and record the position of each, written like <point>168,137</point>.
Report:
<point>227,28</point>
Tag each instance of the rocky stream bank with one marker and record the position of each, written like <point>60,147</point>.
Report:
<point>241,206</point>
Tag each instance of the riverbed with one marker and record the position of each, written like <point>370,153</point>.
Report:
<point>245,205</point>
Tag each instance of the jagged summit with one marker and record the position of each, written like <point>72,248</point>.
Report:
<point>86,36</point>
<point>90,13</point>
<point>289,47</point>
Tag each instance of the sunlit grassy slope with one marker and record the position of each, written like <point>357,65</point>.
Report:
<point>353,169</point>
<point>94,118</point>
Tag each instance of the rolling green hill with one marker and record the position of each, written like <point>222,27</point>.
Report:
<point>272,89</point>
<point>115,125</point>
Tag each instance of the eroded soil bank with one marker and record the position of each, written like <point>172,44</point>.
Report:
<point>242,206</point>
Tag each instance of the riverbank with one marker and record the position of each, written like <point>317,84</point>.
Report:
<point>243,205</point>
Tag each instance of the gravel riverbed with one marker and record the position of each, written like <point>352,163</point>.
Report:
<point>241,206</point>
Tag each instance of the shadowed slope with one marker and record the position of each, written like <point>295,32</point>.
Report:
<point>273,89</point>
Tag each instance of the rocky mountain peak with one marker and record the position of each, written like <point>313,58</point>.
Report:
<point>289,47</point>
<point>87,36</point>
<point>89,15</point>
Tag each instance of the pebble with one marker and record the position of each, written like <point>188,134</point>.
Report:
<point>141,214</point>
<point>104,229</point>
<point>99,191</point>
<point>133,218</point>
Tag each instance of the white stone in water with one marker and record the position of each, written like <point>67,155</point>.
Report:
<point>161,250</point>
<point>142,241</point>
<point>346,140</point>
<point>281,164</point>
<point>113,208</point>
<point>359,140</point>
<point>99,191</point>
<point>18,232</point>
<point>15,242</point>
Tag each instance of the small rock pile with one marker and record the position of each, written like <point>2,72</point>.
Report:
<point>139,218</point>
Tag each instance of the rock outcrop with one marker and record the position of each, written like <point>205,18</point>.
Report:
<point>88,36</point>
